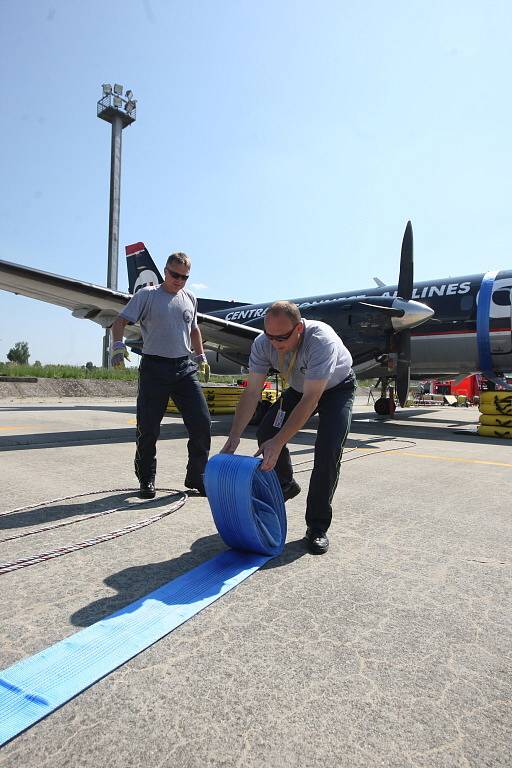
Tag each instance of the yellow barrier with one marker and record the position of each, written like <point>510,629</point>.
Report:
<point>502,409</point>
<point>496,421</point>
<point>493,398</point>
<point>494,431</point>
<point>496,414</point>
<point>224,399</point>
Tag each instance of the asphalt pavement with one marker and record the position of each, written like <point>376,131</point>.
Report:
<point>393,649</point>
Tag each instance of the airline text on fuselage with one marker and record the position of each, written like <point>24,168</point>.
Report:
<point>428,291</point>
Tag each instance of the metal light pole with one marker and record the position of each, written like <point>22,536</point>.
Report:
<point>119,112</point>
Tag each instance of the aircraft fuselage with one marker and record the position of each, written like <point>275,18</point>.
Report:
<point>449,343</point>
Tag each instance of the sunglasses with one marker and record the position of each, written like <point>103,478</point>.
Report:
<point>177,275</point>
<point>284,337</point>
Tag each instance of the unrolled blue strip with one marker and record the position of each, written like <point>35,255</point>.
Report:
<point>248,509</point>
<point>482,323</point>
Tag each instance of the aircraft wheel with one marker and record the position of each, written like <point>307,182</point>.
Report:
<point>383,407</point>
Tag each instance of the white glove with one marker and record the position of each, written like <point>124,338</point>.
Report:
<point>203,367</point>
<point>119,354</point>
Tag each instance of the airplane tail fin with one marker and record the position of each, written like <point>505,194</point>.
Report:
<point>142,270</point>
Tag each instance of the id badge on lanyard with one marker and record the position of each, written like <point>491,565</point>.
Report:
<point>279,419</point>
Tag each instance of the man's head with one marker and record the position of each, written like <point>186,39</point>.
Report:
<point>283,325</point>
<point>176,272</point>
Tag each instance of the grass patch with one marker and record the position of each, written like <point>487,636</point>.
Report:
<point>81,372</point>
<point>67,372</point>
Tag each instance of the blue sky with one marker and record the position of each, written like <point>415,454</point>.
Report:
<point>282,145</point>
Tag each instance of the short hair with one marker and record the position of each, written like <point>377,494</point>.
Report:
<point>286,308</point>
<point>180,257</point>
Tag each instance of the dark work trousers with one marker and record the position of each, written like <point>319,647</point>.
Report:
<point>159,379</point>
<point>334,412</point>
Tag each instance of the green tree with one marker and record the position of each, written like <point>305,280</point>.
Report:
<point>19,353</point>
<point>90,366</point>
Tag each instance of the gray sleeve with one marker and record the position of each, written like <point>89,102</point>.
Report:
<point>322,358</point>
<point>136,306</point>
<point>194,317</point>
<point>259,361</point>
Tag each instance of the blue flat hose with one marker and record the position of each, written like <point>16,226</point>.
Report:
<point>248,510</point>
<point>247,504</point>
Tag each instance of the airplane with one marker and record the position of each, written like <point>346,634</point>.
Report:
<point>444,327</point>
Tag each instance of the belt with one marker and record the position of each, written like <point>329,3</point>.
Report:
<point>173,360</point>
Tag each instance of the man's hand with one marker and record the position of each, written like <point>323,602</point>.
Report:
<point>270,451</point>
<point>204,370</point>
<point>230,445</point>
<point>119,354</point>
<point>202,366</point>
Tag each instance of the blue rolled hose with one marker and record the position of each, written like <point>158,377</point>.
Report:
<point>247,504</point>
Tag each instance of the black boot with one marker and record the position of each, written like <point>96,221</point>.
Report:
<point>290,490</point>
<point>195,485</point>
<point>317,541</point>
<point>147,489</point>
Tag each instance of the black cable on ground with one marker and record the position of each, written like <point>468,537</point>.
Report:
<point>51,554</point>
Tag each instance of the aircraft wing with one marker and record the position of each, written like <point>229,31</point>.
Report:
<point>85,300</point>
<point>102,305</point>
<point>233,339</point>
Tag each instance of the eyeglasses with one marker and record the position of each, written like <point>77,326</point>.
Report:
<point>283,337</point>
<point>177,275</point>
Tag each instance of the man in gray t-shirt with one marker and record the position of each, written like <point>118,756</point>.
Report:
<point>317,369</point>
<point>170,334</point>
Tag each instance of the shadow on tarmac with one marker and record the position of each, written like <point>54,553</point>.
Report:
<point>362,423</point>
<point>59,511</point>
<point>140,580</point>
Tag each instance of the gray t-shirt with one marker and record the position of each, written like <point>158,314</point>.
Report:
<point>166,320</point>
<point>321,355</point>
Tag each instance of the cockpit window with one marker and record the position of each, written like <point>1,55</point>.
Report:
<point>502,297</point>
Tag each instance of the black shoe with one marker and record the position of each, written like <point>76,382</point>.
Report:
<point>317,541</point>
<point>147,490</point>
<point>194,492</point>
<point>290,490</point>
<point>197,485</point>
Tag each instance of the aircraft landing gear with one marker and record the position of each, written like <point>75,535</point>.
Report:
<point>385,405</point>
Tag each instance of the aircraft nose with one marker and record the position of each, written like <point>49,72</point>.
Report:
<point>415,313</point>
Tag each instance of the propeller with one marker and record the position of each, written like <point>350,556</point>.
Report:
<point>402,340</point>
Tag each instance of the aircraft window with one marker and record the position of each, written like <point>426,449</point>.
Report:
<point>466,301</point>
<point>502,297</point>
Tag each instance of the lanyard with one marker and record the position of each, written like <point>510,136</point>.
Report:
<point>286,376</point>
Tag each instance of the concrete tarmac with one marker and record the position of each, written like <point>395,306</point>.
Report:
<point>393,649</point>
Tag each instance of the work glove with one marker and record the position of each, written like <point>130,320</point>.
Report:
<point>119,354</point>
<point>202,366</point>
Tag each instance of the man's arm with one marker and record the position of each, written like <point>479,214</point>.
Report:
<point>117,328</point>
<point>200,358</point>
<point>197,341</point>
<point>313,390</point>
<point>119,351</point>
<point>245,410</point>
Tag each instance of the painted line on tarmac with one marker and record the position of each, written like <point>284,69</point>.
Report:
<point>21,426</point>
<point>460,461</point>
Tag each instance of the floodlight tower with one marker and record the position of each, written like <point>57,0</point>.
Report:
<point>119,112</point>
